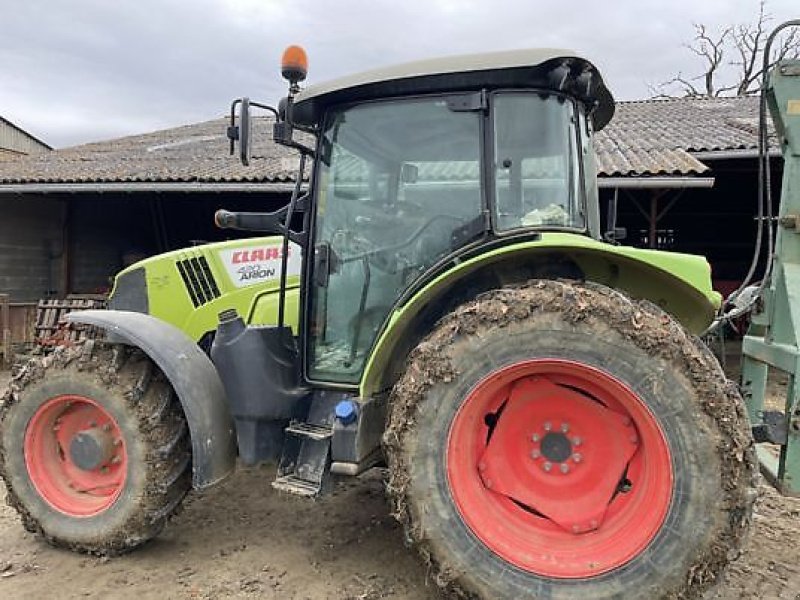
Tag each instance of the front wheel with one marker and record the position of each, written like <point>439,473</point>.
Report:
<point>94,448</point>
<point>559,440</point>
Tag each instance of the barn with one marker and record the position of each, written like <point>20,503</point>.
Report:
<point>681,172</point>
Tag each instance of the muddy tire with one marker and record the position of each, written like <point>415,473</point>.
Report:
<point>94,448</point>
<point>559,440</point>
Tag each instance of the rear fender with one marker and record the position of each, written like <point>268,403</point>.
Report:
<point>194,379</point>
<point>678,283</point>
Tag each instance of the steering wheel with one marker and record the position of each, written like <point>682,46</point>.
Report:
<point>386,256</point>
<point>383,214</point>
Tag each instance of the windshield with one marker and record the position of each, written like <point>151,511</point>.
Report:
<point>399,188</point>
<point>536,163</point>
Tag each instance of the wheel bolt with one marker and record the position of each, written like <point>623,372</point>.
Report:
<point>575,529</point>
<point>116,460</point>
<point>548,426</point>
<point>535,454</point>
<point>565,427</point>
<point>593,524</point>
<point>634,439</point>
<point>576,441</point>
<point>107,427</point>
<point>118,442</point>
<point>627,421</point>
<point>547,466</point>
<point>564,468</point>
<point>577,457</point>
<point>535,437</point>
<point>481,466</point>
<point>488,483</point>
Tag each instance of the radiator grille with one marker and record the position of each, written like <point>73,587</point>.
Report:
<point>198,279</point>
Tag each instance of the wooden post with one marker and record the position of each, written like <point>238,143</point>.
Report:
<point>5,330</point>
<point>653,219</point>
<point>66,255</point>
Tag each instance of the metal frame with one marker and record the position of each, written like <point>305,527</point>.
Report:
<point>773,340</point>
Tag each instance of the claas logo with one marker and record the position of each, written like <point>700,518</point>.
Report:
<point>241,257</point>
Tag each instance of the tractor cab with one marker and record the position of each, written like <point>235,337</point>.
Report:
<point>420,165</point>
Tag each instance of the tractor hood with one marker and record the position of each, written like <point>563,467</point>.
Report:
<point>190,287</point>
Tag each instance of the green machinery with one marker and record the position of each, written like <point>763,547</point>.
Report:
<point>447,307</point>
<point>773,340</point>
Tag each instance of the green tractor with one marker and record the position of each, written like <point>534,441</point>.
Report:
<point>448,308</point>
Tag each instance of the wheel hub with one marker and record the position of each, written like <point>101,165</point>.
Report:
<point>579,501</point>
<point>556,447</point>
<point>75,455</point>
<point>91,448</point>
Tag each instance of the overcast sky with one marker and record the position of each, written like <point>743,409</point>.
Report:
<point>73,71</point>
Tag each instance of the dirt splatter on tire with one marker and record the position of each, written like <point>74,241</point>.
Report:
<point>635,342</point>
<point>125,385</point>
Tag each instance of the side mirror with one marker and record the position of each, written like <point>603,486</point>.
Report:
<point>245,131</point>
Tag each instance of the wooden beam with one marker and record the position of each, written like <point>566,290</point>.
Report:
<point>653,221</point>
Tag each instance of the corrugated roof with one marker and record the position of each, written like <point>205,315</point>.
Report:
<point>647,138</point>
<point>192,153</point>
<point>692,124</point>
<point>657,137</point>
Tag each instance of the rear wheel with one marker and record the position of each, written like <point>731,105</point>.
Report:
<point>560,440</point>
<point>95,449</point>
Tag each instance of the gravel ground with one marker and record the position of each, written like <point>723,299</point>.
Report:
<point>242,540</point>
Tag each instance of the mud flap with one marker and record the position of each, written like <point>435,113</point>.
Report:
<point>194,379</point>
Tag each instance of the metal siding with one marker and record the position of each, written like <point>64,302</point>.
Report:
<point>30,245</point>
<point>16,140</point>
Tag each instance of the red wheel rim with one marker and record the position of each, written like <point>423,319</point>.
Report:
<point>75,455</point>
<point>559,468</point>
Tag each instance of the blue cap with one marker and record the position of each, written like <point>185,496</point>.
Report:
<point>346,411</point>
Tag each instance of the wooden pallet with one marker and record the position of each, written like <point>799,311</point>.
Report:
<point>5,332</point>
<point>51,328</point>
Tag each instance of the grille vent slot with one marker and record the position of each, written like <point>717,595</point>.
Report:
<point>197,278</point>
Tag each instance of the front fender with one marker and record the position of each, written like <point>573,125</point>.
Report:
<point>194,379</point>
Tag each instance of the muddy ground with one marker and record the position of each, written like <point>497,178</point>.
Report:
<point>242,540</point>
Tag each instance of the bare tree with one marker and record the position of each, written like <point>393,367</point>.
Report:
<point>746,43</point>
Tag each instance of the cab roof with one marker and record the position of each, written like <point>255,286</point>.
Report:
<point>555,69</point>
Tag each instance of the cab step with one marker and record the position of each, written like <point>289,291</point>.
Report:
<point>314,432</point>
<point>304,467</point>
<point>295,485</point>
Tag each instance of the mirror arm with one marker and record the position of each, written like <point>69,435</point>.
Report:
<point>302,148</point>
<point>271,109</point>
<point>272,222</point>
